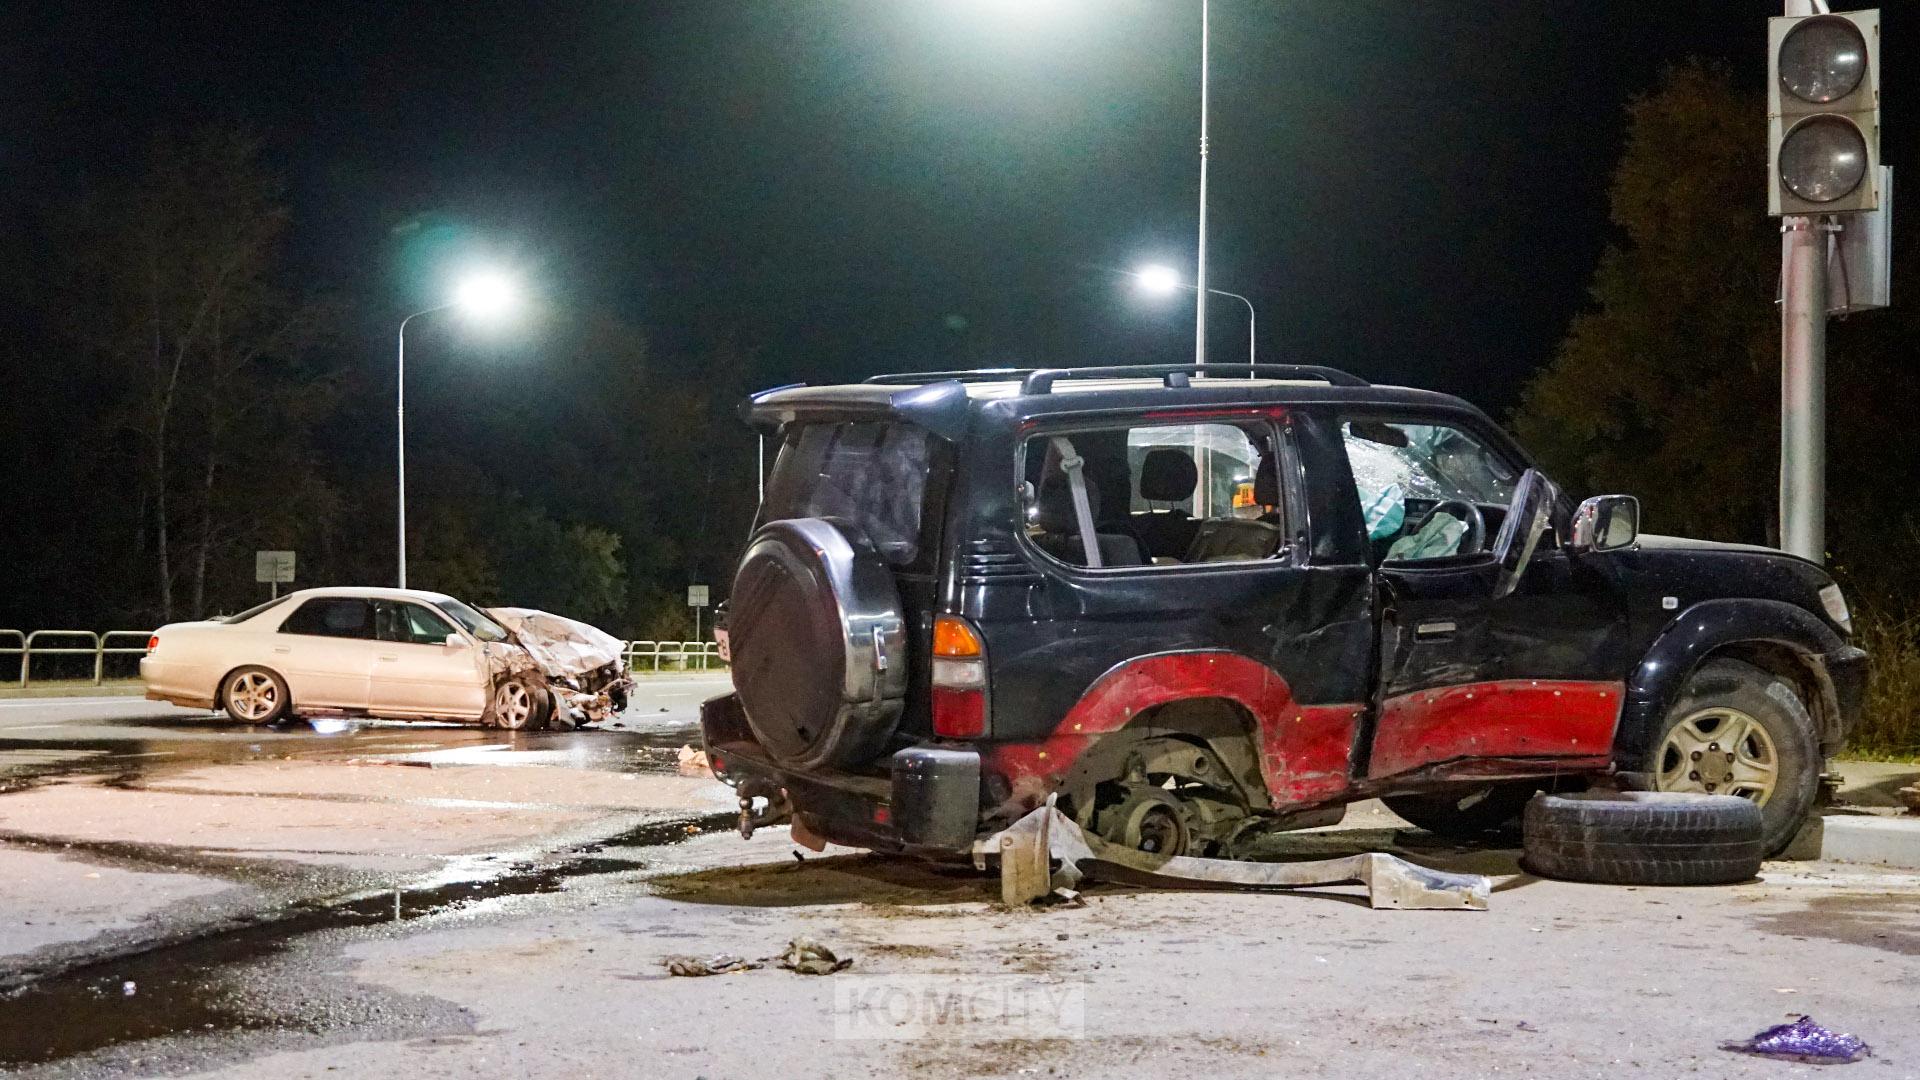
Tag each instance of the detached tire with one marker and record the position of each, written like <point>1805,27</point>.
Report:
<point>1644,838</point>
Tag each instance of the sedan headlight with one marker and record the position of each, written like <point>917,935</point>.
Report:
<point>1836,605</point>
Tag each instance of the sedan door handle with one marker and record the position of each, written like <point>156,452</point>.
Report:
<point>1434,631</point>
<point>283,648</point>
<point>394,658</point>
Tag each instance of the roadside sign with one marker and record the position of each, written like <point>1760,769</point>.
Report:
<point>696,594</point>
<point>273,566</point>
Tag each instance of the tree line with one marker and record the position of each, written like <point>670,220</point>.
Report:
<point>175,400</point>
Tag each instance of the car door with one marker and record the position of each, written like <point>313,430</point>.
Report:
<point>326,649</point>
<point>1249,611</point>
<point>416,673</point>
<point>1473,680</point>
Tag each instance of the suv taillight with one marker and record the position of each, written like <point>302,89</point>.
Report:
<point>959,680</point>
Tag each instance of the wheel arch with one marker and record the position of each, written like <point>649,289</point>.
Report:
<point>1223,725</point>
<point>1780,638</point>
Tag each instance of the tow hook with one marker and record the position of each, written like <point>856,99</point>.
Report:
<point>777,807</point>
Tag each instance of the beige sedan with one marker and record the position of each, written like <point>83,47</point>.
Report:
<point>399,654</point>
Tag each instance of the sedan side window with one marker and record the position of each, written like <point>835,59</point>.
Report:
<point>332,616</point>
<point>413,624</point>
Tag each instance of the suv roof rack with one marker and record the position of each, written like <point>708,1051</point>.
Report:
<point>1041,381</point>
<point>908,378</point>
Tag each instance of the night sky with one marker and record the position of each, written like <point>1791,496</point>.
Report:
<point>1414,190</point>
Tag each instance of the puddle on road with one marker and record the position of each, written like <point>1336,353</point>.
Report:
<point>153,747</point>
<point>191,988</point>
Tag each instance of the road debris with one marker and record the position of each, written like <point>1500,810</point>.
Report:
<point>694,763</point>
<point>717,964</point>
<point>1029,846</point>
<point>808,957</point>
<point>1804,1041</point>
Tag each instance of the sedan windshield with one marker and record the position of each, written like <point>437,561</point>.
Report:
<point>476,624</point>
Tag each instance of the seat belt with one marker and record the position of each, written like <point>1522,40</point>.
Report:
<point>1071,463</point>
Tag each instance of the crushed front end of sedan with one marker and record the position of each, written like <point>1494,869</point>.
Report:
<point>584,666</point>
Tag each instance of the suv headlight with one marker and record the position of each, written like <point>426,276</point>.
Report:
<point>1836,605</point>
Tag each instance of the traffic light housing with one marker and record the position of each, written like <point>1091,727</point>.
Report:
<point>1823,113</point>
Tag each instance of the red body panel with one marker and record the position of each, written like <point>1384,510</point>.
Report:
<point>1305,751</point>
<point>1518,718</point>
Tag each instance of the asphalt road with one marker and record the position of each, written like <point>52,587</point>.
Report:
<point>195,898</point>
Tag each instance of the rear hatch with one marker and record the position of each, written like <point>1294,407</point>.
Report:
<point>886,477</point>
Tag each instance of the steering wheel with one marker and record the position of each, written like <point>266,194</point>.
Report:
<point>1476,536</point>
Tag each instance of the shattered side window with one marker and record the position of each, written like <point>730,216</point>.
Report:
<point>870,473</point>
<point>1427,461</point>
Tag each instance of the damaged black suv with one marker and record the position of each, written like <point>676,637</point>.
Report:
<point>1197,602</point>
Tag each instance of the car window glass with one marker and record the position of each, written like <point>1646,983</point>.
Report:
<point>1158,494</point>
<point>869,473</point>
<point>1412,481</point>
<point>473,621</point>
<point>412,623</point>
<point>256,609</point>
<point>332,616</point>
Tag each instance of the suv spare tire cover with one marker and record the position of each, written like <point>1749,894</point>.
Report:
<point>819,644</point>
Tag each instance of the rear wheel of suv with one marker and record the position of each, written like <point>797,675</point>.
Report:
<point>818,642</point>
<point>1740,730</point>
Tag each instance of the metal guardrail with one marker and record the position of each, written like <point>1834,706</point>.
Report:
<point>640,655</point>
<point>683,655</point>
<point>19,650</point>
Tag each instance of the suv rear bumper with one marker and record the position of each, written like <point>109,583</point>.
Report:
<point>928,804</point>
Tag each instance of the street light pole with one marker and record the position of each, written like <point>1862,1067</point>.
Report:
<point>400,427</point>
<point>1250,321</point>
<point>1200,275</point>
<point>1162,280</point>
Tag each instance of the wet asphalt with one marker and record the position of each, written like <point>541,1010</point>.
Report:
<point>157,1002</point>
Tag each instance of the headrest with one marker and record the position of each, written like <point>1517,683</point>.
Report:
<point>1053,506</point>
<point>1266,481</point>
<point>1168,476</point>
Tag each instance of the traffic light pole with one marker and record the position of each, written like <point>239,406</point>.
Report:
<point>1803,387</point>
<point>1803,374</point>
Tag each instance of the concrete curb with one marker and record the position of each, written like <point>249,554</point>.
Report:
<point>73,690</point>
<point>1862,838</point>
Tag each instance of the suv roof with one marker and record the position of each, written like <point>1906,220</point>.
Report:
<point>940,400</point>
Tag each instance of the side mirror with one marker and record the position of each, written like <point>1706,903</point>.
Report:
<point>455,641</point>
<point>1606,523</point>
<point>1528,519</point>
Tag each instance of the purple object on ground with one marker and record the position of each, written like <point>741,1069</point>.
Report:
<point>1804,1040</point>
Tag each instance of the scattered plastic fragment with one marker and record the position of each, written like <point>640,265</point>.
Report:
<point>717,964</point>
<point>694,763</point>
<point>129,988</point>
<point>1803,1040</point>
<point>809,957</point>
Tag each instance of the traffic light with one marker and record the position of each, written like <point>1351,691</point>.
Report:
<point>1823,108</point>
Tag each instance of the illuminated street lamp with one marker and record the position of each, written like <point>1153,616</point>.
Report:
<point>485,297</point>
<point>1162,281</point>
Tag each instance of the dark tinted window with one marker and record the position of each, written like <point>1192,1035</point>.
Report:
<point>870,473</point>
<point>332,616</point>
<point>412,623</point>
